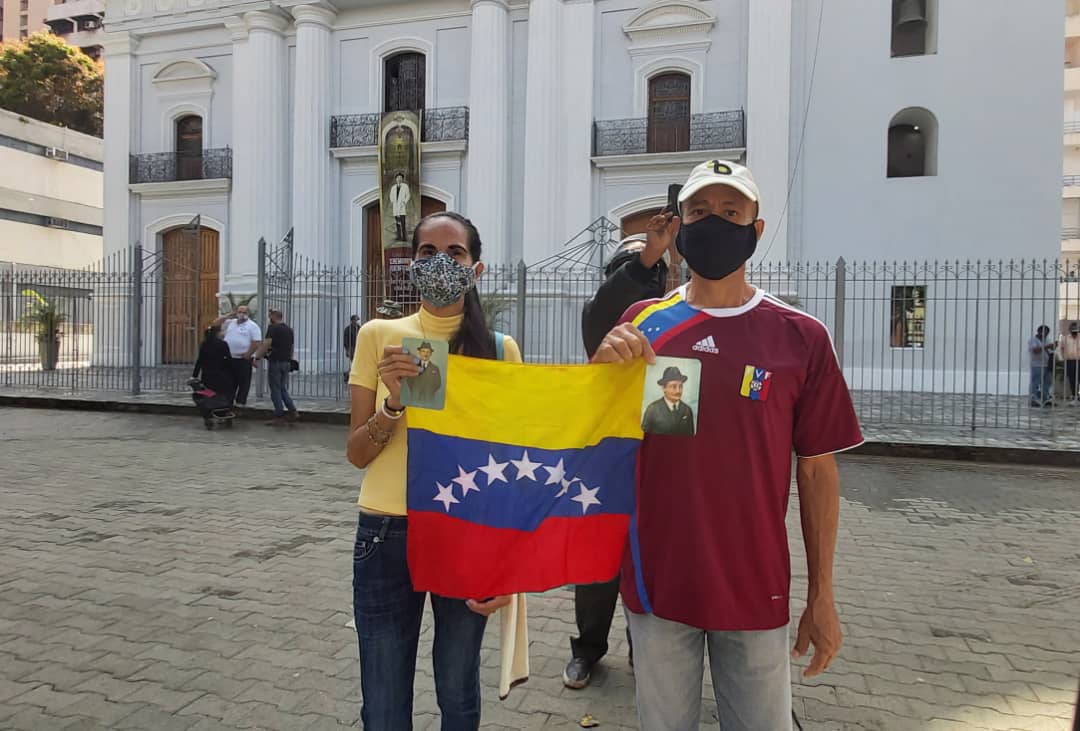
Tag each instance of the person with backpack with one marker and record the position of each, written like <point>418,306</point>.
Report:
<point>388,612</point>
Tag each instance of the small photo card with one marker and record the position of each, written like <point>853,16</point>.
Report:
<point>670,402</point>
<point>427,390</point>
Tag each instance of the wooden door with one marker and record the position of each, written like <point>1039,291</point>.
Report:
<point>374,263</point>
<point>669,113</point>
<point>189,298</point>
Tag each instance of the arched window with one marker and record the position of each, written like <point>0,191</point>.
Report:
<point>913,143</point>
<point>669,113</point>
<point>914,27</point>
<point>403,82</point>
<point>189,148</point>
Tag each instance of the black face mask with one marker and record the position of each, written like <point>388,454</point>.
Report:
<point>714,247</point>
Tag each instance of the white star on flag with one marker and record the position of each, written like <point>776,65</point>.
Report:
<point>525,468</point>
<point>555,474</point>
<point>467,480</point>
<point>494,470</point>
<point>586,497</point>
<point>565,487</point>
<point>446,495</point>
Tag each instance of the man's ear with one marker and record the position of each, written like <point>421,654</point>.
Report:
<point>479,269</point>
<point>759,226</point>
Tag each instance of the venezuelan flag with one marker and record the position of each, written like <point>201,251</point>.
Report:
<point>525,481</point>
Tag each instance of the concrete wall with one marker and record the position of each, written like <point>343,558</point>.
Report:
<point>33,184</point>
<point>24,243</point>
<point>996,194</point>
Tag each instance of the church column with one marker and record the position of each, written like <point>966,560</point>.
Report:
<point>768,113</point>
<point>112,344</point>
<point>542,203</point>
<point>576,112</point>
<point>311,167</point>
<point>489,126</point>
<point>119,109</point>
<point>313,316</point>
<point>260,204</point>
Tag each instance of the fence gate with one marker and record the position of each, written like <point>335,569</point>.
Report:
<point>277,266</point>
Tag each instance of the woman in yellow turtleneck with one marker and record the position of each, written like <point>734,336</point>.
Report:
<point>446,252</point>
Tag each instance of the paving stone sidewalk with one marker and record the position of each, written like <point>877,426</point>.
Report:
<point>157,576</point>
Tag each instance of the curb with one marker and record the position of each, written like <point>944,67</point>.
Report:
<point>149,407</point>
<point>883,448</point>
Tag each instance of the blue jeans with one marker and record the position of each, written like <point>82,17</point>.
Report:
<point>388,614</point>
<point>1042,384</point>
<point>278,377</point>
<point>751,674</point>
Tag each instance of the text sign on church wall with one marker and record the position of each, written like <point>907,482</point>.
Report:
<point>399,196</point>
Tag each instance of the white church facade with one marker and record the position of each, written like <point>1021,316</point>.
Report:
<point>877,129</point>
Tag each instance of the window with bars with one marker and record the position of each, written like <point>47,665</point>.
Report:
<point>403,82</point>
<point>907,327</point>
<point>669,113</point>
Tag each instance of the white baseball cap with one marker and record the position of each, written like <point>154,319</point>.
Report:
<point>721,172</point>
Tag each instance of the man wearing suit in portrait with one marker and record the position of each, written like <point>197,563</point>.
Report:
<point>425,386</point>
<point>669,415</point>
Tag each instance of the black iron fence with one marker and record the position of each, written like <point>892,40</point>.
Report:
<point>708,131</point>
<point>943,344</point>
<point>449,124</point>
<point>166,167</point>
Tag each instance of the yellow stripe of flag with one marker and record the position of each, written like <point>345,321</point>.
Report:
<point>541,406</point>
<point>748,378</point>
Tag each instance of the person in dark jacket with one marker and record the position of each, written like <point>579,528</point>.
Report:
<point>638,271</point>
<point>634,273</point>
<point>215,363</point>
<point>349,340</point>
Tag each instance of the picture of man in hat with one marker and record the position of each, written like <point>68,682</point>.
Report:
<point>425,387</point>
<point>669,415</point>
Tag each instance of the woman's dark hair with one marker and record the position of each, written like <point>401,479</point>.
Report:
<point>212,332</point>
<point>474,337</point>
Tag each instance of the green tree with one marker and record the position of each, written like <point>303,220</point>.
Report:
<point>44,78</point>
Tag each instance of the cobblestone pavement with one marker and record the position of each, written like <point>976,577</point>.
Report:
<point>1053,429</point>
<point>157,576</point>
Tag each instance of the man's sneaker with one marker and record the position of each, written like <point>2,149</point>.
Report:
<point>292,417</point>
<point>578,673</point>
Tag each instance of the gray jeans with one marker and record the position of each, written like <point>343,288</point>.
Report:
<point>751,673</point>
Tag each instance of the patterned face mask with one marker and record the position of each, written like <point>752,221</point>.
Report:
<point>440,280</point>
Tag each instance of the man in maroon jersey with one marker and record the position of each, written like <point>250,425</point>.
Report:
<point>707,563</point>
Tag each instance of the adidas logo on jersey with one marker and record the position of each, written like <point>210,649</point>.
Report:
<point>708,345</point>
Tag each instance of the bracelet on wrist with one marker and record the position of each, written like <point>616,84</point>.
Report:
<point>391,413</point>
<point>378,436</point>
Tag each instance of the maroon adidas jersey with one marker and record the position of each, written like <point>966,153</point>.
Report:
<point>708,544</point>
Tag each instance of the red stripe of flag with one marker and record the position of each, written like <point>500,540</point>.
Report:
<point>460,559</point>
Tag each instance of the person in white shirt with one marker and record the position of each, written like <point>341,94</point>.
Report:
<point>243,337</point>
<point>399,203</point>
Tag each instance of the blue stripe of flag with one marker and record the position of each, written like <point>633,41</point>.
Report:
<point>663,320</point>
<point>603,472</point>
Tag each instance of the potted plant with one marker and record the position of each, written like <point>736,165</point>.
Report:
<point>44,319</point>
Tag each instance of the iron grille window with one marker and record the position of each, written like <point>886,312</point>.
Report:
<point>669,113</point>
<point>907,327</point>
<point>404,82</point>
